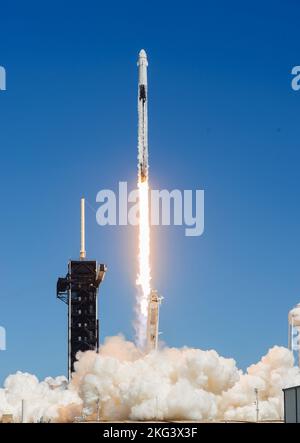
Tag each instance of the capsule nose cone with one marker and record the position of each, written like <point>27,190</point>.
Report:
<point>142,53</point>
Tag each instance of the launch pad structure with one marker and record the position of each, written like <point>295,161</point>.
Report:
<point>79,290</point>
<point>153,320</point>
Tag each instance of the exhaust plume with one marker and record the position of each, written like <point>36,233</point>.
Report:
<point>144,276</point>
<point>121,383</point>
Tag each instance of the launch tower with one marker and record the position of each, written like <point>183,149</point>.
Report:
<point>79,290</point>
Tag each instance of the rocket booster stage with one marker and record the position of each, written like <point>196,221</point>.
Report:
<point>143,117</point>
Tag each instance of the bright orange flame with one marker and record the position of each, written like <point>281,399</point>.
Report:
<point>144,272</point>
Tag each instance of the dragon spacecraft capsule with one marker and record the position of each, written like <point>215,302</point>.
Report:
<point>142,117</point>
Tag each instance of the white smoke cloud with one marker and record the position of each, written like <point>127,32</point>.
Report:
<point>170,384</point>
<point>50,399</point>
<point>274,372</point>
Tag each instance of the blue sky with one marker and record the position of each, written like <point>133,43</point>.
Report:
<point>222,118</point>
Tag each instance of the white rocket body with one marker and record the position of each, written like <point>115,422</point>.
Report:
<point>143,117</point>
<point>153,321</point>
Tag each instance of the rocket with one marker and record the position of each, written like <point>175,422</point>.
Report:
<point>142,117</point>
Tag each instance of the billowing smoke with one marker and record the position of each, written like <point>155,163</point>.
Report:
<point>170,384</point>
<point>49,400</point>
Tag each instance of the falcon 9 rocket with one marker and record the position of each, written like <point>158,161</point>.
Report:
<point>142,117</point>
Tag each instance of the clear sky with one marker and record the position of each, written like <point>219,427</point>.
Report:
<point>222,117</point>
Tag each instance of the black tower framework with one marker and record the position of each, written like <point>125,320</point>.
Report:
<point>79,289</point>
